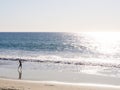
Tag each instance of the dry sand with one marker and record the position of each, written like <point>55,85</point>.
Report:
<point>9,84</point>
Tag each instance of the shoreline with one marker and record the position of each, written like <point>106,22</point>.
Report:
<point>67,77</point>
<point>13,84</point>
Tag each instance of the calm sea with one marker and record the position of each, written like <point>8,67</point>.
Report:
<point>75,52</point>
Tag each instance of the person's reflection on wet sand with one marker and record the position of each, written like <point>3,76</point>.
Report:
<point>20,69</point>
<point>20,74</point>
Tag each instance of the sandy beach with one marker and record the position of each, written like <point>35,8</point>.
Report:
<point>10,84</point>
<point>53,80</point>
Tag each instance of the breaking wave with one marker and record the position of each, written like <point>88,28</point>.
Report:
<point>60,60</point>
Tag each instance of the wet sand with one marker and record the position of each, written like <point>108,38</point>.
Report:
<point>37,79</point>
<point>10,84</point>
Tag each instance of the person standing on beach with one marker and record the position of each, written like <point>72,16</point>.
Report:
<point>20,64</point>
<point>20,69</point>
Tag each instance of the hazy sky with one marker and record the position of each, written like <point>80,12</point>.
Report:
<point>59,15</point>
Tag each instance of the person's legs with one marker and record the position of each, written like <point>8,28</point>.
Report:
<point>19,68</point>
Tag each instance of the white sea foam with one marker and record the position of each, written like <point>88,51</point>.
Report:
<point>58,58</point>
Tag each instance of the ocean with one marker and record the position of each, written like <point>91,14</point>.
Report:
<point>87,53</point>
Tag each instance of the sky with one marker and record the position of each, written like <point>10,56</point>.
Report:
<point>59,15</point>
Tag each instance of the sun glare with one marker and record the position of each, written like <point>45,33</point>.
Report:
<point>107,41</point>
